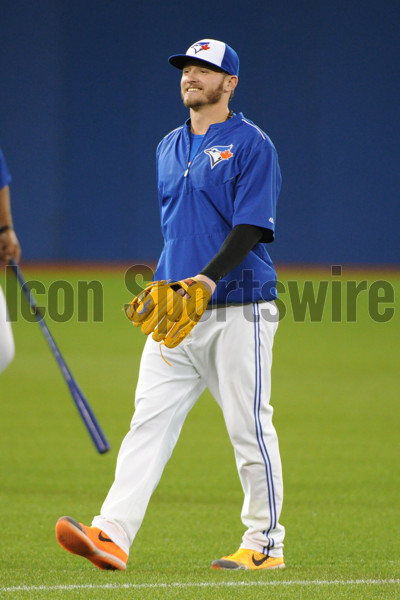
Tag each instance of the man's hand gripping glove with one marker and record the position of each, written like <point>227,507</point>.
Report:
<point>159,309</point>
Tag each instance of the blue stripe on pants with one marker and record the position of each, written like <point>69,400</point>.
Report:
<point>257,417</point>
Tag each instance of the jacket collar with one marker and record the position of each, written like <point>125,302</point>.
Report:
<point>225,126</point>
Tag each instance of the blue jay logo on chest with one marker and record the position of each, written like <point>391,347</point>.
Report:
<point>219,154</point>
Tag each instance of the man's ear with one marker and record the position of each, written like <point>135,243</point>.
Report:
<point>231,82</point>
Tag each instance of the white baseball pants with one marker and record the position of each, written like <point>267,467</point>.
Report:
<point>7,348</point>
<point>230,352</point>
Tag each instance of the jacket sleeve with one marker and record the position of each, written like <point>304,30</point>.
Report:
<point>257,188</point>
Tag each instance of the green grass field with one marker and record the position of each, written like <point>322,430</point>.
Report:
<point>336,399</point>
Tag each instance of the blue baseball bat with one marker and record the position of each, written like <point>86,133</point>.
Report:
<point>88,417</point>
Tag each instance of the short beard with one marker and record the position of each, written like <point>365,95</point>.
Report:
<point>212,97</point>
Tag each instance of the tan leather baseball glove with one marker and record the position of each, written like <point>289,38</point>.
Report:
<point>169,309</point>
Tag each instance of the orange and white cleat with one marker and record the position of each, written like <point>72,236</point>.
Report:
<point>248,560</point>
<point>91,543</point>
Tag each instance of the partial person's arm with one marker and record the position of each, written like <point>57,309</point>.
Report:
<point>9,245</point>
<point>238,243</point>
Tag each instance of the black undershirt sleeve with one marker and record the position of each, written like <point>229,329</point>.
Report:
<point>235,248</point>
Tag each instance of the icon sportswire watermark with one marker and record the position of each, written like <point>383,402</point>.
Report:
<point>336,297</point>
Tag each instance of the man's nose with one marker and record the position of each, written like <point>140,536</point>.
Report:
<point>190,76</point>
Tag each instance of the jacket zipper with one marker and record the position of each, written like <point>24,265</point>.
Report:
<point>186,173</point>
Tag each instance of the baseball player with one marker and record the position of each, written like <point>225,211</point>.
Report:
<point>9,248</point>
<point>212,308</point>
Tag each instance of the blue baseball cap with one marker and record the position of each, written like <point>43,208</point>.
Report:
<point>213,52</point>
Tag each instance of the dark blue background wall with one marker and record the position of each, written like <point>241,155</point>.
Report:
<point>86,93</point>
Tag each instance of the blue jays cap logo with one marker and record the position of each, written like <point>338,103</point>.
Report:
<point>219,154</point>
<point>200,46</point>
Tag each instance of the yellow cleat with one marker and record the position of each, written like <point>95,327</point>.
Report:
<point>91,543</point>
<point>249,560</point>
